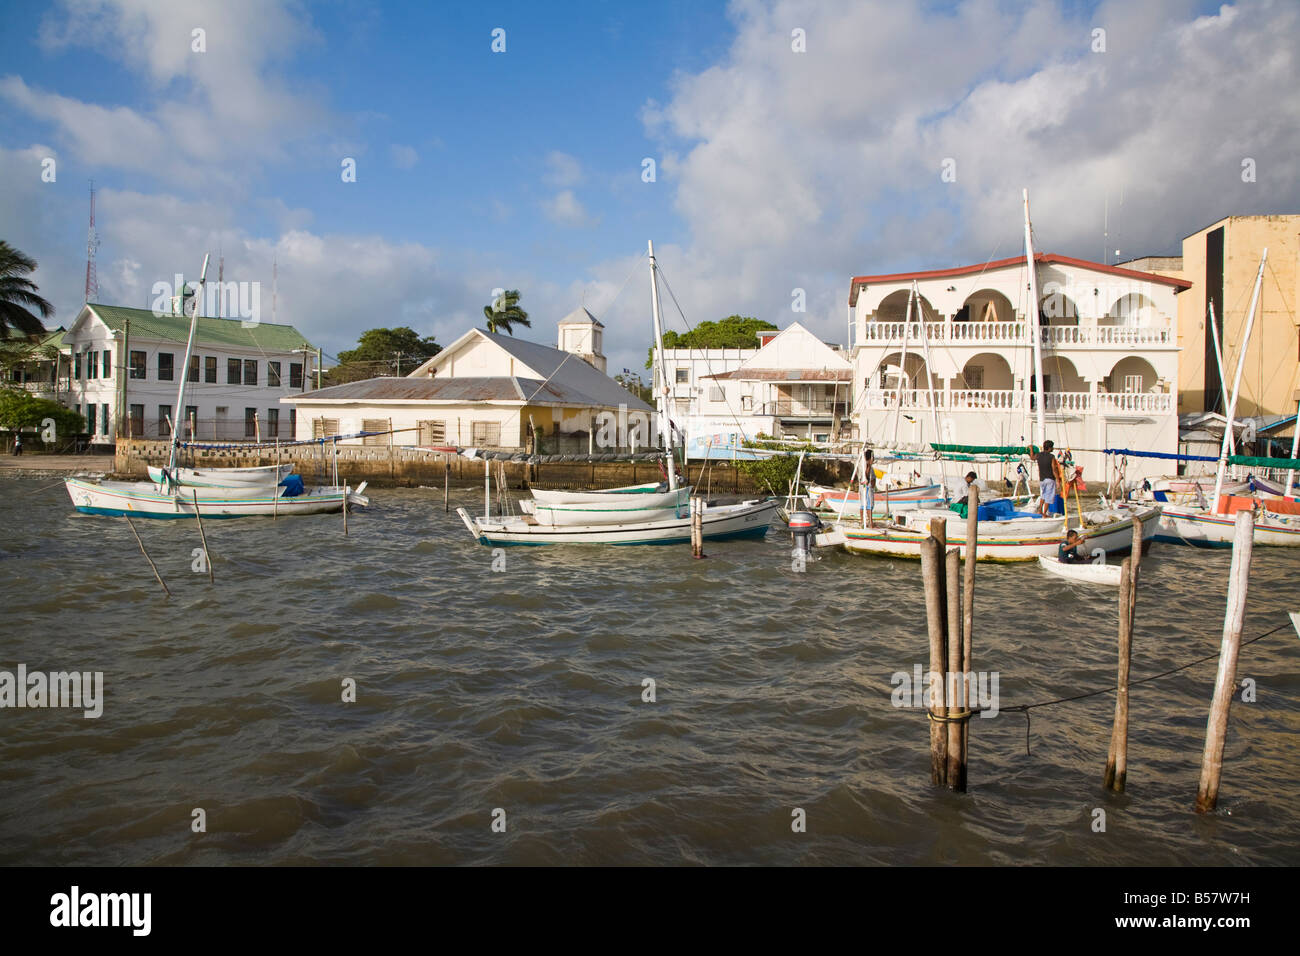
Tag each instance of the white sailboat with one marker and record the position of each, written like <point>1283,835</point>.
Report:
<point>640,514</point>
<point>171,497</point>
<point>267,476</point>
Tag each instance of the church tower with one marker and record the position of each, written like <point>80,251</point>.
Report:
<point>580,333</point>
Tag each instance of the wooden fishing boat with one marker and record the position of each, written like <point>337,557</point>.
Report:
<point>748,519</point>
<point>1085,572</point>
<point>1016,539</point>
<point>144,499</point>
<point>266,476</point>
<point>908,498</point>
<point>615,509</point>
<point>1277,523</point>
<point>634,496</point>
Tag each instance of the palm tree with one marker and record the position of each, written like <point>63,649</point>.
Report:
<point>504,313</point>
<point>18,295</point>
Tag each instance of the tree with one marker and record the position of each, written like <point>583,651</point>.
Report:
<point>18,295</point>
<point>733,332</point>
<point>19,408</point>
<point>382,352</point>
<point>504,313</point>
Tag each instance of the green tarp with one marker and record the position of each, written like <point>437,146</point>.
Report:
<point>1292,463</point>
<point>986,449</point>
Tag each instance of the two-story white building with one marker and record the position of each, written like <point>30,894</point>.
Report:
<point>962,371</point>
<point>793,386</point>
<point>125,368</point>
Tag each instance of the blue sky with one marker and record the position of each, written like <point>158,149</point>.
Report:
<point>777,169</point>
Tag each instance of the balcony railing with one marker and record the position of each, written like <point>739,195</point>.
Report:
<point>1015,333</point>
<point>817,408</point>
<point>1000,400</point>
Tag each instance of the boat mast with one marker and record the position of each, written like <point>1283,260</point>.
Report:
<point>1033,323</point>
<point>185,367</point>
<point>902,364</point>
<point>1218,356</point>
<point>661,397</point>
<point>1236,385</point>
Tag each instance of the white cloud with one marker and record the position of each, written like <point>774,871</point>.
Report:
<point>562,169</point>
<point>565,209</point>
<point>404,157</point>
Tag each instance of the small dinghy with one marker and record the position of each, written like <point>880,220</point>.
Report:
<point>1084,572</point>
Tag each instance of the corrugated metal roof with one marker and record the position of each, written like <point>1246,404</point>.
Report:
<point>469,389</point>
<point>787,375</point>
<point>264,336</point>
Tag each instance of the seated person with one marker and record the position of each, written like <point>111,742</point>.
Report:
<point>1071,552</point>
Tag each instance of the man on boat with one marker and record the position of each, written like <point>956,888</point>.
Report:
<point>1048,470</point>
<point>867,486</point>
<point>974,480</point>
<point>1071,552</point>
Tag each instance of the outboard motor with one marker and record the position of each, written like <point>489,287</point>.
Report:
<point>803,525</point>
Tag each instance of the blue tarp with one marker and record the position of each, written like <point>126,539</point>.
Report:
<point>1132,453</point>
<point>292,485</point>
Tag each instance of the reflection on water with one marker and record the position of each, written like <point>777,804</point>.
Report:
<point>523,690</point>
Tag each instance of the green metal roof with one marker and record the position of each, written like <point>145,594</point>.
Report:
<point>263,336</point>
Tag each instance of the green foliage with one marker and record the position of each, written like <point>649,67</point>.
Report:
<point>19,408</point>
<point>18,296</point>
<point>733,332</point>
<point>633,383</point>
<point>382,352</point>
<point>503,313</point>
<point>776,472</point>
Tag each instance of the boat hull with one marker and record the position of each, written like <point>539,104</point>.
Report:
<point>904,499</point>
<point>749,519</point>
<point>1201,529</point>
<point>268,476</point>
<point>647,496</point>
<point>614,509</point>
<point>1005,541</point>
<point>1084,573</point>
<point>143,500</point>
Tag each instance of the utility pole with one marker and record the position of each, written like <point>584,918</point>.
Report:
<point>318,364</point>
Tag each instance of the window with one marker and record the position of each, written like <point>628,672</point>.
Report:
<point>194,369</point>
<point>164,421</point>
<point>273,423</point>
<point>139,364</point>
<point>974,376</point>
<point>273,374</point>
<point>108,364</point>
<point>76,366</point>
<point>103,419</point>
<point>295,375</point>
<point>210,369</point>
<point>92,365</point>
<point>716,394</point>
<point>1132,383</point>
<point>747,403</point>
<point>250,371</point>
<point>683,376</point>
<point>234,371</point>
<point>250,423</point>
<point>433,433</point>
<point>293,423</point>
<point>486,434</point>
<point>165,360</point>
<point>191,421</point>
<point>374,425</point>
<point>90,419</point>
<point>324,427</point>
<point>135,423</point>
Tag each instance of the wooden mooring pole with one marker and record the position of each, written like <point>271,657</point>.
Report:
<point>146,554</point>
<point>446,484</point>
<point>933,574</point>
<point>955,774</point>
<point>697,527</point>
<point>1117,757</point>
<point>207,556</point>
<point>968,618</point>
<point>1243,542</point>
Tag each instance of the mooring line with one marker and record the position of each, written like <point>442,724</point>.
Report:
<point>1026,708</point>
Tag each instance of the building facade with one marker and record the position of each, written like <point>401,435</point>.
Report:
<point>125,367</point>
<point>487,390</point>
<point>962,370</point>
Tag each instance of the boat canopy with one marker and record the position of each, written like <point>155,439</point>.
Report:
<point>1137,453</point>
<point>986,449</point>
<point>1249,462</point>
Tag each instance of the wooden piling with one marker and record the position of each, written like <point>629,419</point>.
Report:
<point>1225,682</point>
<point>968,614</point>
<point>446,485</point>
<point>932,573</point>
<point>953,686</point>
<point>1117,757</point>
<point>697,527</point>
<point>207,556</point>
<point>345,511</point>
<point>146,554</point>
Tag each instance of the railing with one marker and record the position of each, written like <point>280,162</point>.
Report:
<point>817,408</point>
<point>1015,333</point>
<point>999,399</point>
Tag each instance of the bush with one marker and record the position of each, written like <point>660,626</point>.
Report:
<point>20,409</point>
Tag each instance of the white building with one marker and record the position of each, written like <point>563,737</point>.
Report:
<point>793,386</point>
<point>490,390</point>
<point>962,370</point>
<point>126,363</point>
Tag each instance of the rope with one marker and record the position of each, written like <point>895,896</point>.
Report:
<point>1026,708</point>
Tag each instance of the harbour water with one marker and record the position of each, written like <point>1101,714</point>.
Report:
<point>521,688</point>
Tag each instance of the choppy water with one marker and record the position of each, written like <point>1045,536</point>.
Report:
<point>522,690</point>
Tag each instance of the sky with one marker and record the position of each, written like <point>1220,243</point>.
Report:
<point>795,144</point>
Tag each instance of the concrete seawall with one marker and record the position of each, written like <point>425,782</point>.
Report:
<point>409,467</point>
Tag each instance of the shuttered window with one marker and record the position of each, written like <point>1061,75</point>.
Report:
<point>487,434</point>
<point>374,425</point>
<point>433,433</point>
<point>324,427</point>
